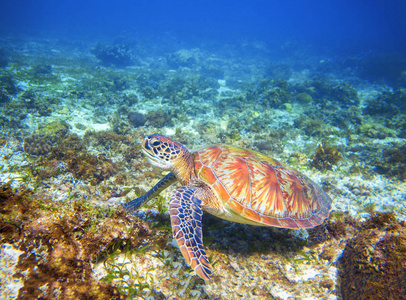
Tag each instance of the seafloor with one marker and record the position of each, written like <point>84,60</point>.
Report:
<point>73,114</point>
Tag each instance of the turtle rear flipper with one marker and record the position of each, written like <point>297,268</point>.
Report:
<point>186,219</point>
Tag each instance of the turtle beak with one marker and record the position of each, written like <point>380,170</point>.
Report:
<point>149,153</point>
<point>152,159</point>
<point>146,149</point>
<point>145,144</point>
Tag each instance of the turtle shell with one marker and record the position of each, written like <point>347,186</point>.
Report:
<point>255,189</point>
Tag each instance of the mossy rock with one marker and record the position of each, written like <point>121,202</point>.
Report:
<point>54,129</point>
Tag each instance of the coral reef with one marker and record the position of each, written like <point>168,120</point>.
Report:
<point>271,145</point>
<point>107,139</point>
<point>242,252</point>
<point>212,71</point>
<point>89,167</point>
<point>3,96</point>
<point>376,130</point>
<point>13,116</point>
<point>60,241</point>
<point>325,157</point>
<point>46,136</point>
<point>54,129</point>
<point>178,88</point>
<point>77,116</point>
<point>8,263</point>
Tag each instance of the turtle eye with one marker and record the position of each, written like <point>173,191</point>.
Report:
<point>156,142</point>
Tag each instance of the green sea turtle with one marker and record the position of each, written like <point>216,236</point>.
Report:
<point>231,183</point>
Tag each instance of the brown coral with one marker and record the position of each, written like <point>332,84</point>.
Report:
<point>373,264</point>
<point>326,157</point>
<point>38,145</point>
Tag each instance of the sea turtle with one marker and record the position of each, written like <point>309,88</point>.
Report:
<point>234,184</point>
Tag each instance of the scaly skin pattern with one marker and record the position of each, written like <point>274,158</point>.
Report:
<point>186,219</point>
<point>234,184</point>
<point>165,182</point>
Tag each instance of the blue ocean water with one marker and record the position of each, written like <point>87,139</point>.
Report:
<point>358,25</point>
<point>318,85</point>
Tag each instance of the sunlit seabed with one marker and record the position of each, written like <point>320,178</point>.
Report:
<point>200,98</point>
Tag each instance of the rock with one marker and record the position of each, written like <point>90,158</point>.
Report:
<point>373,264</point>
<point>136,119</point>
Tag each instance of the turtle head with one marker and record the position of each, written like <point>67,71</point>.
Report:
<point>168,154</point>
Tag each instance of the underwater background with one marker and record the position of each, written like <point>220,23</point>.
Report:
<point>318,85</point>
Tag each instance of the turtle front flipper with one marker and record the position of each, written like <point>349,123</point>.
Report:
<point>186,218</point>
<point>168,180</point>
